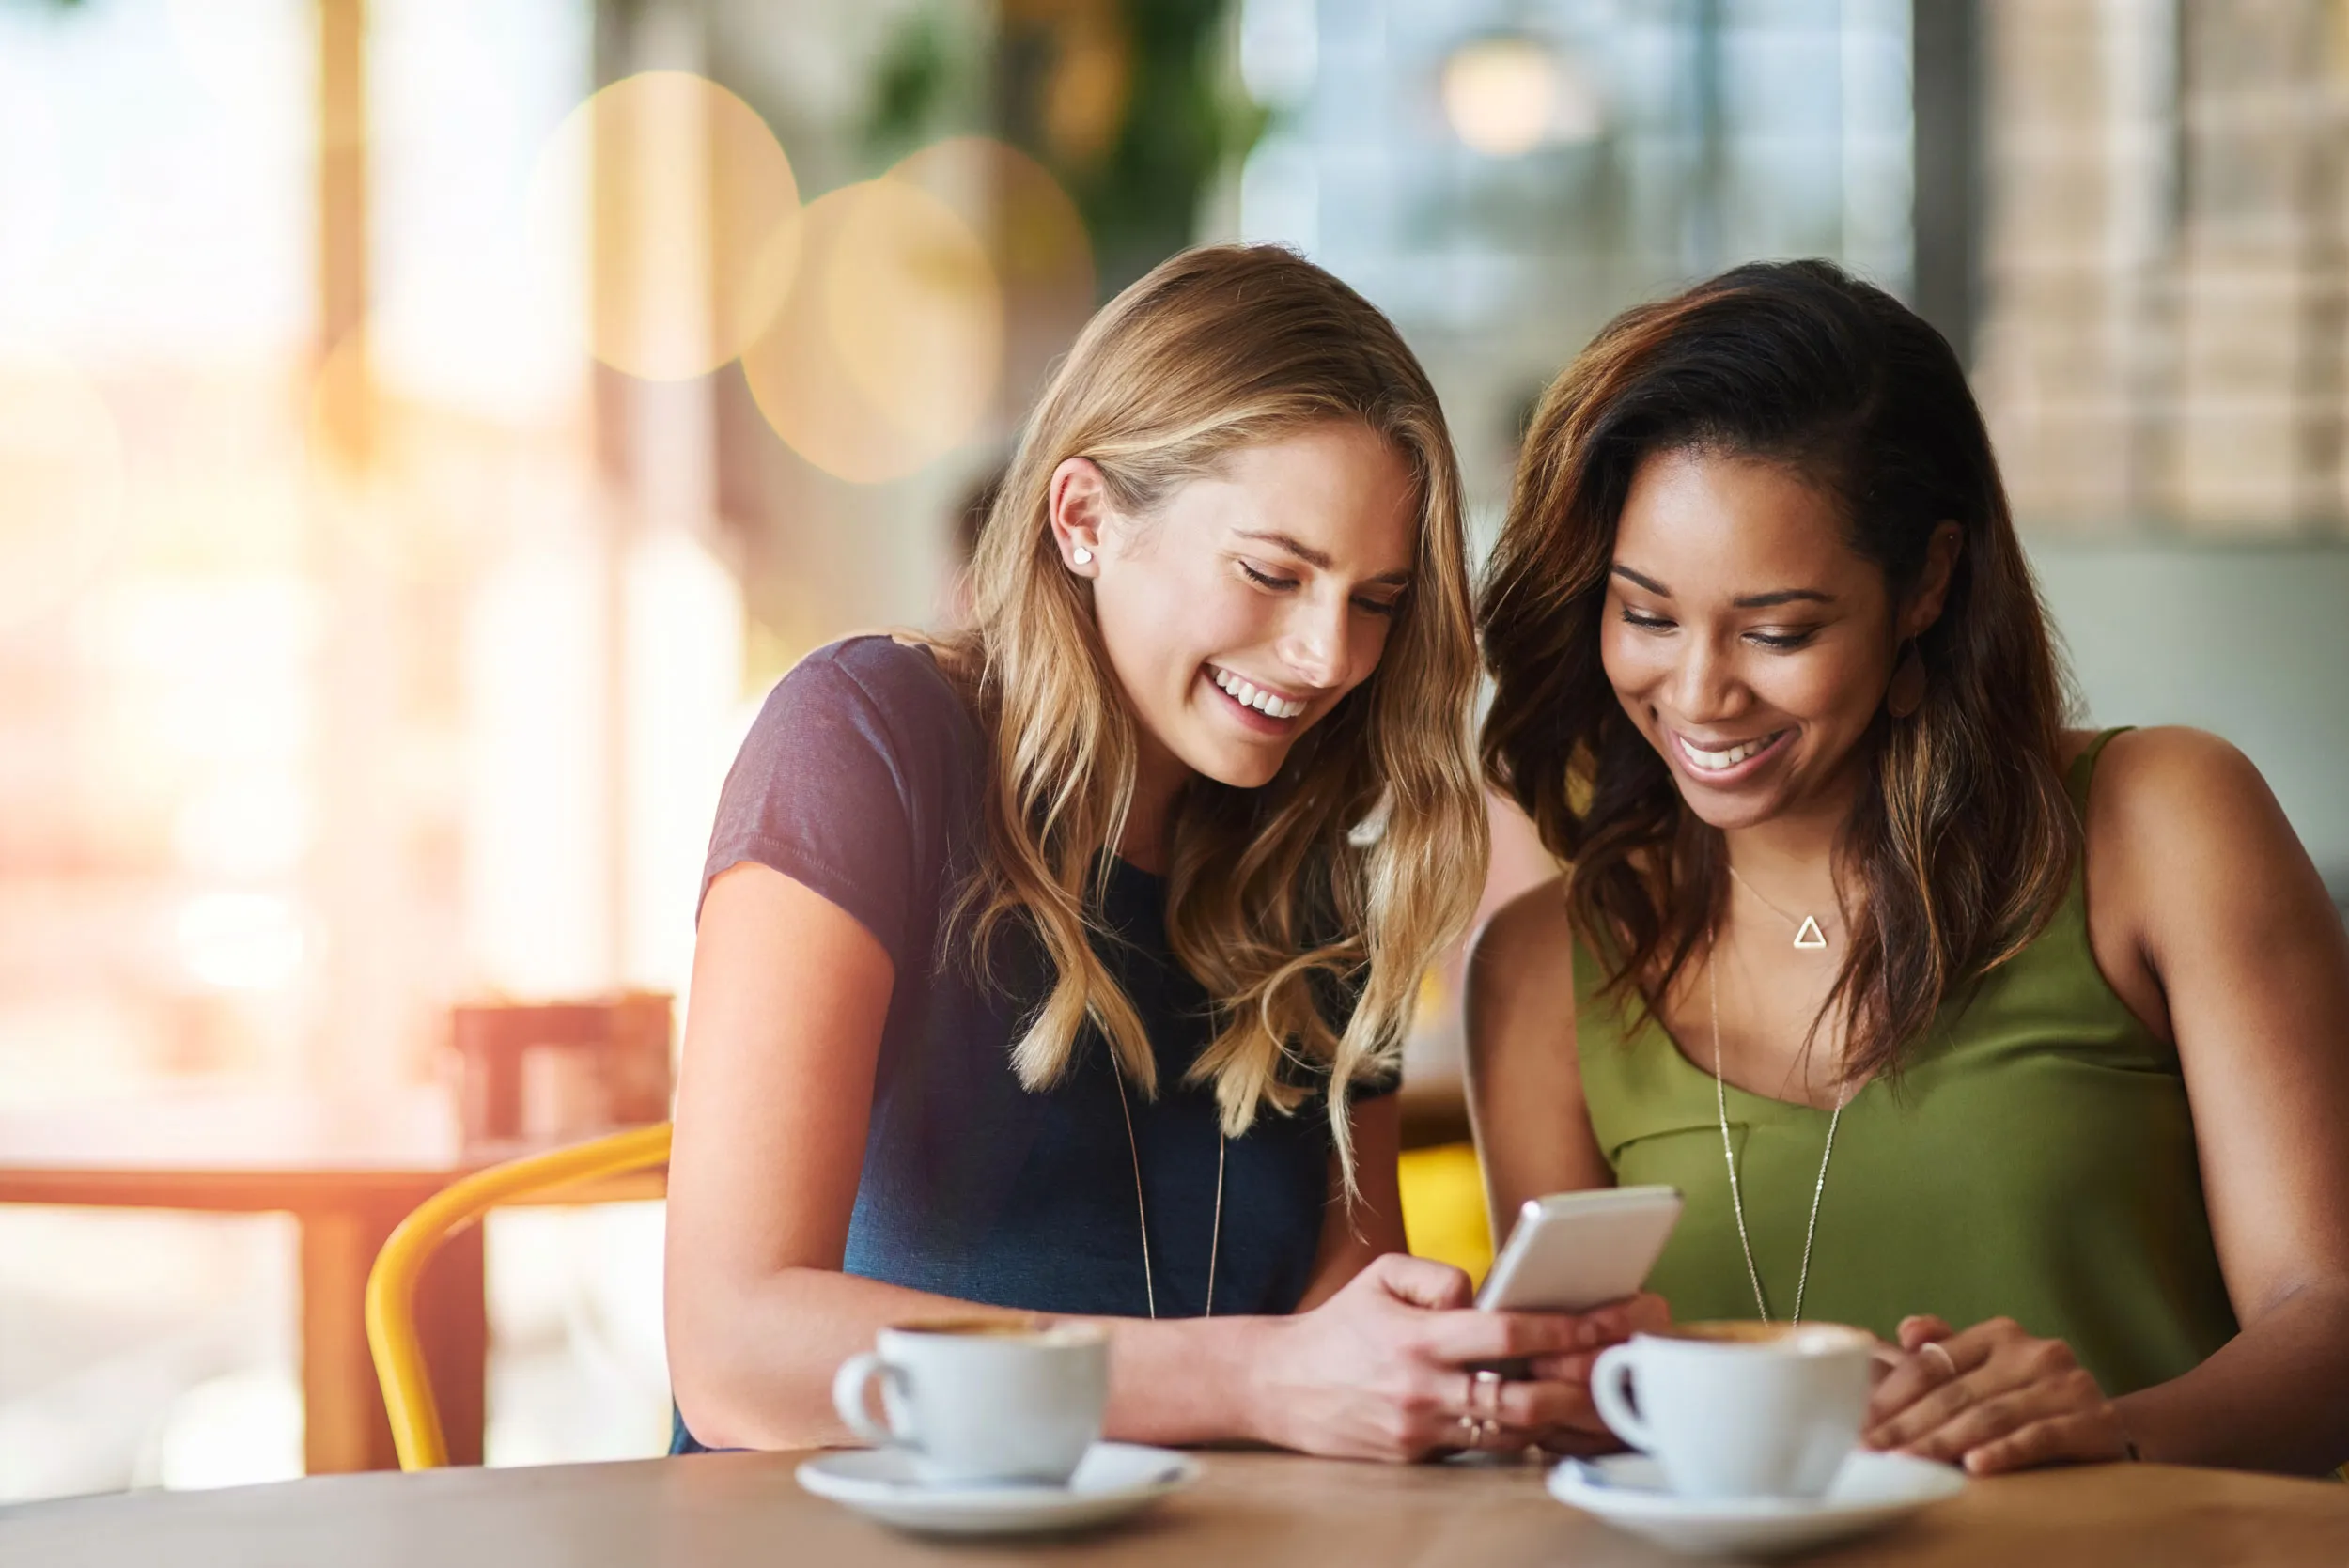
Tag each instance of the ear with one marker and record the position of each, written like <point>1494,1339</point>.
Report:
<point>1077,505</point>
<point>1933,583</point>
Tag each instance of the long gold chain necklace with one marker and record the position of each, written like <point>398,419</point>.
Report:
<point>1808,936</point>
<point>1142,1212</point>
<point>1729,1155</point>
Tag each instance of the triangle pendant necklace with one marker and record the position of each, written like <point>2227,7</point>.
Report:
<point>1808,937</point>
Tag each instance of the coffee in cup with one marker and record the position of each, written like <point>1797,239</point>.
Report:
<point>1739,1409</point>
<point>982,1401</point>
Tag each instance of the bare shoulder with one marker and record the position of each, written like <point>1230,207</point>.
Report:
<point>1520,963</point>
<point>2172,787</point>
<point>2185,836</point>
<point>1530,929</point>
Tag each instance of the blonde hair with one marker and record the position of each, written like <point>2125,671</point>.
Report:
<point>1361,859</point>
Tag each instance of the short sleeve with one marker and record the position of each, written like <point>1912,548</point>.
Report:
<point>838,786</point>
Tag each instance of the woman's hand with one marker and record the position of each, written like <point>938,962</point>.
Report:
<point>1385,1369</point>
<point>1993,1398</point>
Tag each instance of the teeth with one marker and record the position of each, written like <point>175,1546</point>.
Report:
<point>1730,758</point>
<point>1250,695</point>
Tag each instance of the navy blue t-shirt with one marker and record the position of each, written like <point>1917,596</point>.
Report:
<point>863,780</point>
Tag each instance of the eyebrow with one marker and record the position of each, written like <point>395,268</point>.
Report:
<point>1746,601</point>
<point>1317,559</point>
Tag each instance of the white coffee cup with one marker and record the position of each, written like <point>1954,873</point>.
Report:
<point>986,1401</point>
<point>1739,1409</point>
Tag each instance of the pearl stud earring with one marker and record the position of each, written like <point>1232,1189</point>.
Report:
<point>1083,556</point>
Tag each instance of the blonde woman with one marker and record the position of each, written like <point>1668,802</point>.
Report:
<point>1060,965</point>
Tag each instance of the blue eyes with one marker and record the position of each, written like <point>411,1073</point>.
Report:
<point>1778,642</point>
<point>1282,584</point>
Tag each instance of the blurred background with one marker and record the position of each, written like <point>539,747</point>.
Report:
<point>429,426</point>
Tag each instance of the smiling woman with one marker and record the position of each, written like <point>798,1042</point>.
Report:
<point>1938,1013</point>
<point>1057,965</point>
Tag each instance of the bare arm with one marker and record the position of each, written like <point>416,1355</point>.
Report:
<point>1351,1240</point>
<point>2209,921</point>
<point>1525,1084</point>
<point>790,997</point>
<point>2239,932</point>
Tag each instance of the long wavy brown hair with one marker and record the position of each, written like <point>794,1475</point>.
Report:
<point>1357,863</point>
<point>1962,841</point>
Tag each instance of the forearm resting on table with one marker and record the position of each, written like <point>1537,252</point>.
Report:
<point>2276,1397</point>
<point>755,1371</point>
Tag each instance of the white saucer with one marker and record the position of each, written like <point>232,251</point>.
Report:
<point>1115,1478</point>
<point>1870,1491</point>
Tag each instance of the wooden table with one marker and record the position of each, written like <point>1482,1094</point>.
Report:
<point>1252,1510</point>
<point>347,1173</point>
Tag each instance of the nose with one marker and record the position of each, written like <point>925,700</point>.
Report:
<point>1317,641</point>
<point>1706,687</point>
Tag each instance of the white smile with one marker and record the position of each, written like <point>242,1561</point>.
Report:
<point>1720,762</point>
<point>1270,704</point>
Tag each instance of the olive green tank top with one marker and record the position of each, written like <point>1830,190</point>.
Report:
<point>2036,1160</point>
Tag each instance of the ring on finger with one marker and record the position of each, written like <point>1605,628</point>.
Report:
<point>1485,1395</point>
<point>1476,1433</point>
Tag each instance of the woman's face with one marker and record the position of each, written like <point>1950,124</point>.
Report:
<point>1251,601</point>
<point>1747,640</point>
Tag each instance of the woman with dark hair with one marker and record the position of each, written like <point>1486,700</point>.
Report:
<point>2019,1045</point>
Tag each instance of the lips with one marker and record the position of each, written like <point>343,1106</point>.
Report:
<point>1727,762</point>
<point>1248,695</point>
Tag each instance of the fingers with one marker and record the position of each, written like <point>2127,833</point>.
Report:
<point>2016,1401</point>
<point>1573,1367</point>
<point>1645,1314</point>
<point>1922,1329</point>
<point>1988,1419</point>
<point>1618,1321</point>
<point>1482,1336</point>
<point>1929,1411</point>
<point>1422,1281</point>
<point>1912,1375</point>
<point>1457,1338</point>
<point>2088,1435</point>
<point>1544,1407</point>
<point>1499,1417</point>
<point>1931,1386</point>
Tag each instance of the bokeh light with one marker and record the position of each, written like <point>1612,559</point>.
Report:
<point>888,346</point>
<point>686,203</point>
<point>242,941</point>
<point>32,185</point>
<point>1506,95</point>
<point>1035,238</point>
<point>915,311</point>
<point>62,456</point>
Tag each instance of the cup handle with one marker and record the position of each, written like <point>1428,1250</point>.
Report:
<point>1610,1390</point>
<point>849,1387</point>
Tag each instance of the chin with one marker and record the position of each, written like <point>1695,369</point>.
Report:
<point>1251,773</point>
<point>1240,768</point>
<point>1727,814</point>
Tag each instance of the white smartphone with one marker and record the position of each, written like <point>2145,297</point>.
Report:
<point>1572,1251</point>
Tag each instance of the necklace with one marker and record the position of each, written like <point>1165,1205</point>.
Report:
<point>1807,933</point>
<point>1729,1157</point>
<point>1215,1236</point>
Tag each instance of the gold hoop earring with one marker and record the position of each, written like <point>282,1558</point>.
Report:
<point>1906,694</point>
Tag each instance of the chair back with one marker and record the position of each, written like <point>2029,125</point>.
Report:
<point>391,1302</point>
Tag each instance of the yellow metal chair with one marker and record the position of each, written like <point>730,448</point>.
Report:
<point>416,1416</point>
